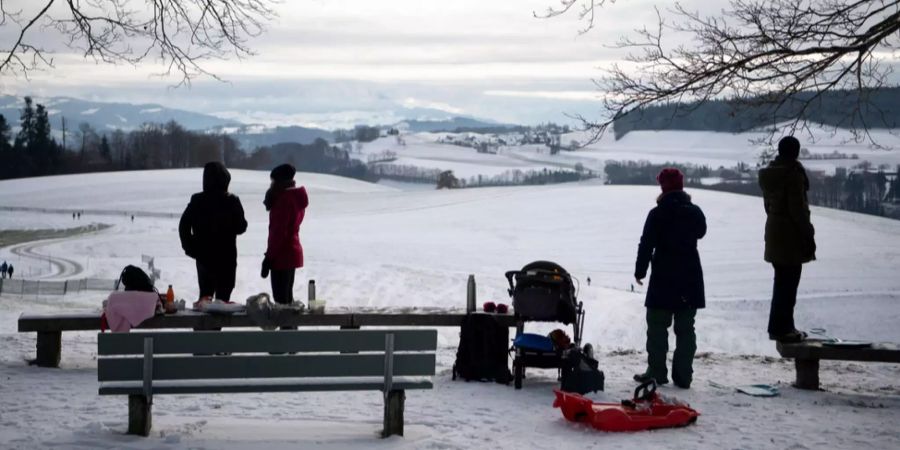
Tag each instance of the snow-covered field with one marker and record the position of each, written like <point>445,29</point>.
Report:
<point>658,147</point>
<point>726,149</point>
<point>388,246</point>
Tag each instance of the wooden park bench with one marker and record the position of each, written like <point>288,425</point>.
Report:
<point>807,354</point>
<point>141,365</point>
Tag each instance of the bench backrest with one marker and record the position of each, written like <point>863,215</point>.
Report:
<point>245,354</point>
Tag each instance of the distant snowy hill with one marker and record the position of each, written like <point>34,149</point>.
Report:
<point>253,136</point>
<point>109,116</point>
<point>454,124</point>
<point>250,130</point>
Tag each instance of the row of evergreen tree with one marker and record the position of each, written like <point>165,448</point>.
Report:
<point>871,108</point>
<point>32,151</point>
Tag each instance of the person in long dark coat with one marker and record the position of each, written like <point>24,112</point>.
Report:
<point>208,230</point>
<point>286,204</point>
<point>790,236</point>
<point>669,245</point>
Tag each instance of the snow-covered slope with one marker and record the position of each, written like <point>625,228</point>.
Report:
<point>697,147</point>
<point>370,245</point>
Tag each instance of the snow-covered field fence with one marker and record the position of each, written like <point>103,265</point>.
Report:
<point>43,287</point>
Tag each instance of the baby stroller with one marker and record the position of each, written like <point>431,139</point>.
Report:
<point>543,292</point>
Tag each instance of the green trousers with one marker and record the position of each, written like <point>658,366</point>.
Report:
<point>658,323</point>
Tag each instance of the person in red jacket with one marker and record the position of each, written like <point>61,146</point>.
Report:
<point>286,204</point>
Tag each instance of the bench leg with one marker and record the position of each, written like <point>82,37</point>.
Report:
<point>807,374</point>
<point>393,413</point>
<point>139,415</point>
<point>49,348</point>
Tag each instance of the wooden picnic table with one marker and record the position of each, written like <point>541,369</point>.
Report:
<point>49,327</point>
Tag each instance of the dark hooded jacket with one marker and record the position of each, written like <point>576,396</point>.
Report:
<point>212,220</point>
<point>790,236</point>
<point>669,243</point>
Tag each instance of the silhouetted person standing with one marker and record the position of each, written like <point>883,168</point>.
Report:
<point>669,243</point>
<point>790,236</point>
<point>3,269</point>
<point>208,229</point>
<point>9,270</point>
<point>286,204</point>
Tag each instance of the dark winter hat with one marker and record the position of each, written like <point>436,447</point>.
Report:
<point>215,177</point>
<point>789,147</point>
<point>284,172</point>
<point>670,179</point>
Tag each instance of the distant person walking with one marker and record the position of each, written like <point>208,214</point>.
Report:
<point>589,281</point>
<point>3,269</point>
<point>790,236</point>
<point>669,244</point>
<point>208,230</point>
<point>9,270</point>
<point>286,204</point>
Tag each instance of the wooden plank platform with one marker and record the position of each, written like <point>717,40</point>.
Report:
<point>816,349</point>
<point>808,353</point>
<point>341,317</point>
<point>49,327</point>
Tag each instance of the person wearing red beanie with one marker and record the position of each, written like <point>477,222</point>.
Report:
<point>670,179</point>
<point>675,293</point>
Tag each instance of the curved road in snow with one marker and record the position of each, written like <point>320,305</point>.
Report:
<point>59,267</point>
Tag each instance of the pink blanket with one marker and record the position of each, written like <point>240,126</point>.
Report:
<point>125,310</point>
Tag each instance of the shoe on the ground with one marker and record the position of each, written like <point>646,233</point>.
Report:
<point>790,337</point>
<point>681,384</point>
<point>644,377</point>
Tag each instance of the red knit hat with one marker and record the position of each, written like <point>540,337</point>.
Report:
<point>670,179</point>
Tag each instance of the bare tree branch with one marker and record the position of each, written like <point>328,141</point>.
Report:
<point>780,56</point>
<point>180,34</point>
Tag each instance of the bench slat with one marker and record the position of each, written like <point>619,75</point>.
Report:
<point>343,317</point>
<point>163,387</point>
<point>183,319</point>
<point>813,349</point>
<point>265,366</point>
<point>269,341</point>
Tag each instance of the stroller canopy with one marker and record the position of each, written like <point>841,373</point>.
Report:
<point>543,291</point>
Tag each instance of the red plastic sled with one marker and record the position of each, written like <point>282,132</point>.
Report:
<point>647,411</point>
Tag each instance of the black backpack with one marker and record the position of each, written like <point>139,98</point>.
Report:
<point>135,279</point>
<point>580,373</point>
<point>482,353</point>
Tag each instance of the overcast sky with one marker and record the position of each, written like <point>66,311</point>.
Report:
<point>327,62</point>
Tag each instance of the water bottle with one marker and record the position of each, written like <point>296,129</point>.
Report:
<point>311,293</point>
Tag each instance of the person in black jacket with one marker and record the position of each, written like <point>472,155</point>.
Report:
<point>669,244</point>
<point>208,229</point>
<point>790,235</point>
